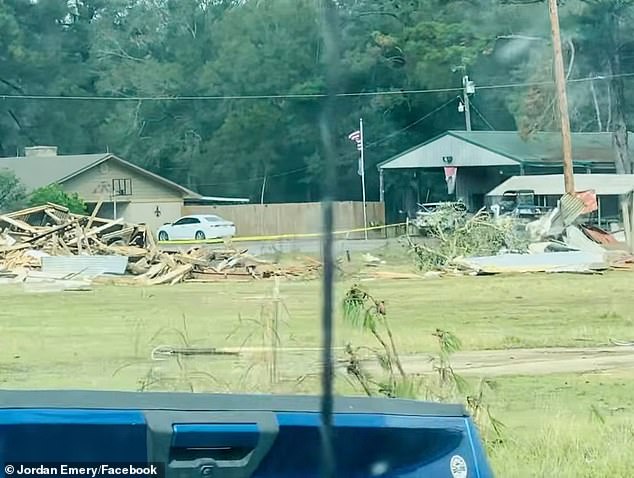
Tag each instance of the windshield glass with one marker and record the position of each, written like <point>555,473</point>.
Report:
<point>165,167</point>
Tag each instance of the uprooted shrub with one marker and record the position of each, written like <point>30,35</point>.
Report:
<point>457,234</point>
<point>368,313</point>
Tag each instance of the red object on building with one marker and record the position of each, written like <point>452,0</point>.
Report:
<point>589,199</point>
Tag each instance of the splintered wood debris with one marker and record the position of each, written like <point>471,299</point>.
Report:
<point>52,230</point>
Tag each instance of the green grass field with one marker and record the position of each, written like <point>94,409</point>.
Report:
<point>563,425</point>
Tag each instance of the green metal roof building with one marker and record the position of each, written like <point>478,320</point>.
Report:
<point>484,159</point>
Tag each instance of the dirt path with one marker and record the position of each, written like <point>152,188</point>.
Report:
<point>529,361</point>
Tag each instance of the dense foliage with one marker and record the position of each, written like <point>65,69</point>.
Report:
<point>137,50</point>
<point>12,192</point>
<point>56,195</point>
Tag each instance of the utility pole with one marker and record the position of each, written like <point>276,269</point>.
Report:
<point>362,174</point>
<point>560,82</point>
<point>467,87</point>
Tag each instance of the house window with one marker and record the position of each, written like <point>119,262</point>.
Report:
<point>122,187</point>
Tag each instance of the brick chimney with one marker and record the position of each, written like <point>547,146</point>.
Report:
<point>31,151</point>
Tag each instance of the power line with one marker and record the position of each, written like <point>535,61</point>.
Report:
<point>300,96</point>
<point>344,156</point>
<point>473,106</point>
<point>411,125</point>
<point>222,97</point>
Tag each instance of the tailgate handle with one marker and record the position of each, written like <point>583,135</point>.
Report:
<point>217,445</point>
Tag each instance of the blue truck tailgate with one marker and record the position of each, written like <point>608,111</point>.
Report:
<point>237,435</point>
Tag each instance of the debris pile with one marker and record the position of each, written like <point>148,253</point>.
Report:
<point>50,242</point>
<point>29,236</point>
<point>454,234</point>
<point>485,244</point>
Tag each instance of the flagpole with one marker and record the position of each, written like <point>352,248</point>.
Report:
<point>362,172</point>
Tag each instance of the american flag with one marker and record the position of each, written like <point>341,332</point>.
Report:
<point>356,137</point>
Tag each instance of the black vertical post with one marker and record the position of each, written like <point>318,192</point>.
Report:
<point>328,119</point>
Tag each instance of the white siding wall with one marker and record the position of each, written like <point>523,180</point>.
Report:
<point>144,212</point>
<point>463,153</point>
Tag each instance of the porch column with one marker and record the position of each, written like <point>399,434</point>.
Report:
<point>381,186</point>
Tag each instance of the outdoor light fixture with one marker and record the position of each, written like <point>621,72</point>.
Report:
<point>157,211</point>
<point>447,159</point>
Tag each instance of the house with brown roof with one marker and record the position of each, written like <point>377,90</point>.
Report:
<point>125,189</point>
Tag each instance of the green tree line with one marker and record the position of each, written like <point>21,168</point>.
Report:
<point>259,59</point>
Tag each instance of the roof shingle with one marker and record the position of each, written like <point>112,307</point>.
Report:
<point>38,171</point>
<point>543,147</point>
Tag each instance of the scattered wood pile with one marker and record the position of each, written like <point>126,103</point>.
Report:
<point>52,230</point>
<point>218,265</point>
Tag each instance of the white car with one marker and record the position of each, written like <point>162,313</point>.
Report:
<point>197,227</point>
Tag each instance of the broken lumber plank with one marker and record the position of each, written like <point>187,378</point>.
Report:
<point>154,271</point>
<point>62,245</point>
<point>129,251</point>
<point>19,224</point>
<point>26,212</point>
<point>80,236</point>
<point>57,207</point>
<point>139,267</point>
<point>167,260</point>
<point>54,245</point>
<point>52,230</point>
<point>184,258</point>
<point>50,213</point>
<point>15,247</point>
<point>177,273</point>
<point>231,261</point>
<point>95,211</point>
<point>205,274</point>
<point>119,234</point>
<point>149,239</point>
<point>97,230</point>
<point>215,280</point>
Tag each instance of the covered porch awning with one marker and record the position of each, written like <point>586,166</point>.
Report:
<point>553,184</point>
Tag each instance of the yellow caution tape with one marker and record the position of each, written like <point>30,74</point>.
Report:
<point>275,237</point>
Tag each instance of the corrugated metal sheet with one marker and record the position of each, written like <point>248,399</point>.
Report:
<point>574,261</point>
<point>85,266</point>
<point>571,208</point>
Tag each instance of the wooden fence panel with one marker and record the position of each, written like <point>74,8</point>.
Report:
<point>293,218</point>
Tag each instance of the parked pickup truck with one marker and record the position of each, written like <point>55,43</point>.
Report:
<point>198,435</point>
<point>520,204</point>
